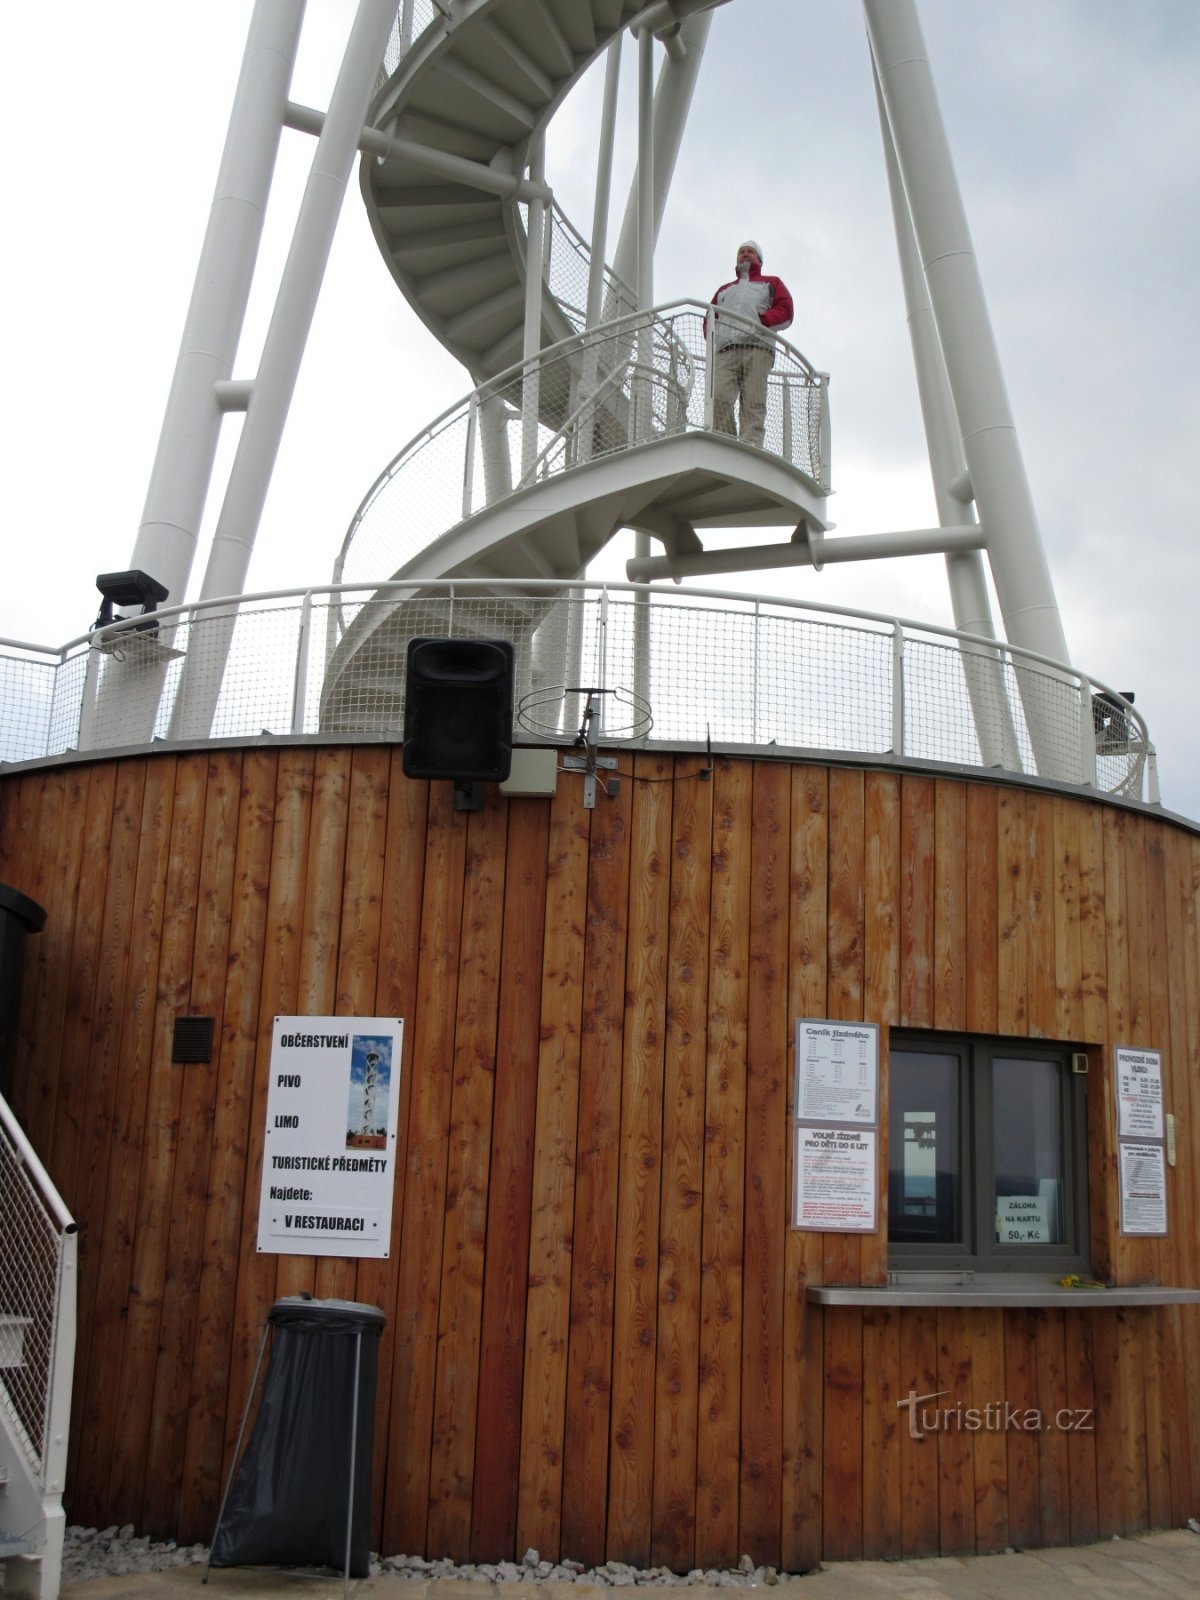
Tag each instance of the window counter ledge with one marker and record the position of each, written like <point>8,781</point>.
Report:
<point>1000,1289</point>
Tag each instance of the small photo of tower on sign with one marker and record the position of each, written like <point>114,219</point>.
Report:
<point>370,1086</point>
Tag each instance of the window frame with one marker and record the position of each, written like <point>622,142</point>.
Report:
<point>975,1249</point>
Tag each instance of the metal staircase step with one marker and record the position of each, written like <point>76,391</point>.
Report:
<point>479,325</point>
<point>452,291</point>
<point>479,102</point>
<point>14,1544</point>
<point>425,253</point>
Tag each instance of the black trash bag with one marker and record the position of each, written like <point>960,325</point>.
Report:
<point>288,1502</point>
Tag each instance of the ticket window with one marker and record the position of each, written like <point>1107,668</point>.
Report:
<point>987,1150</point>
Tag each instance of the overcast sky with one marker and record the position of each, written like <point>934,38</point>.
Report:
<point>1075,126</point>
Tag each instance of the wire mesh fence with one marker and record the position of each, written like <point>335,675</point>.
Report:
<point>741,672</point>
<point>31,1264</point>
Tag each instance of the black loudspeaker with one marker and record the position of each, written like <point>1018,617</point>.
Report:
<point>458,709</point>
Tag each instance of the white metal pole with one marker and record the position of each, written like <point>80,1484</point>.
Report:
<point>990,445</point>
<point>964,568</point>
<point>951,270</point>
<point>187,444</point>
<point>299,287</point>
<point>179,479</point>
<point>604,160</point>
<point>534,266</point>
<point>672,100</point>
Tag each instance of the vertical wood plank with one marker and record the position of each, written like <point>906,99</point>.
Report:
<point>847,954</point>
<point>956,1468</point>
<point>1021,1391</point>
<point>115,1285</point>
<point>1040,914</point>
<point>804,1369</point>
<point>200,991</point>
<point>287,883</point>
<point>1081,1441</point>
<point>882,1421</point>
<point>589,1369</point>
<point>76,1133</point>
<point>1012,971</point>
<point>1068,939</point>
<point>724,1167</point>
<point>917,835</point>
<point>950,905</point>
<point>209,1378</point>
<point>1135,1467</point>
<point>51,881</point>
<point>881,995</point>
<point>396,996</point>
<point>101,1100</point>
<point>460,1307</point>
<point>766,1131</point>
<point>984,1336</point>
<point>635,1304</point>
<point>498,1428</point>
<point>1110,1474</point>
<point>1054,1475</point>
<point>551,1246</point>
<point>681,1238</point>
<point>843,1445</point>
<point>431,1058</point>
<point>983,910</point>
<point>357,960</point>
<point>918,1448</point>
<point>65,989</point>
<point>1093,950</point>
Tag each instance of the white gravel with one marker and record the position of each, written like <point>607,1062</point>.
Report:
<point>91,1553</point>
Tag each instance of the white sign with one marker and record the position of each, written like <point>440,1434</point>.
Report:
<point>1139,1094</point>
<point>1143,1189</point>
<point>835,1186</point>
<point>330,1152</point>
<point>837,1071</point>
<point>1023,1219</point>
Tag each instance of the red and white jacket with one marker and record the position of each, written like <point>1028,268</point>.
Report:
<point>757,296</point>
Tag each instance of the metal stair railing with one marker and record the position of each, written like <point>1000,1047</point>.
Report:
<point>469,458</point>
<point>38,1248</point>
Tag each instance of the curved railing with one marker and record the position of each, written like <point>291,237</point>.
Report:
<point>624,384</point>
<point>742,671</point>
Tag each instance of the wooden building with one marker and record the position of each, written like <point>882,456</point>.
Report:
<point>604,1338</point>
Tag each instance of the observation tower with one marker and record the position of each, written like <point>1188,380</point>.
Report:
<point>659,1275</point>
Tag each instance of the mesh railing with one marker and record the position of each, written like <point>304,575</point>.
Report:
<point>744,672</point>
<point>34,1234</point>
<point>621,385</point>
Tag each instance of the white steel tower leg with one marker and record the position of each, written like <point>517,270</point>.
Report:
<point>672,100</point>
<point>283,348</point>
<point>964,568</point>
<point>166,542</point>
<point>187,444</point>
<point>993,454</point>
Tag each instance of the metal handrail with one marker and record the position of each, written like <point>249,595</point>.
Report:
<point>513,377</point>
<point>297,620</point>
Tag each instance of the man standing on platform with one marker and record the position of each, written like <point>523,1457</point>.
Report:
<point>744,349</point>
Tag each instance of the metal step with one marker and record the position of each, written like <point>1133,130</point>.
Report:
<point>14,1544</point>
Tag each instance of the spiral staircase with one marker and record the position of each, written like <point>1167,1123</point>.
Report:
<point>578,426</point>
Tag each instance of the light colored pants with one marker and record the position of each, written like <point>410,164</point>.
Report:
<point>741,374</point>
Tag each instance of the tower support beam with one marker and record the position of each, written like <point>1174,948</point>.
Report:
<point>990,445</point>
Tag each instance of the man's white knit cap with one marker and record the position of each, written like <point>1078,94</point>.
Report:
<point>751,244</point>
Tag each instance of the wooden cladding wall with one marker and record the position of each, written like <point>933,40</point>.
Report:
<point>598,1342</point>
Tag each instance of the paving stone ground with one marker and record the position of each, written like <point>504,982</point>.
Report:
<point>1155,1566</point>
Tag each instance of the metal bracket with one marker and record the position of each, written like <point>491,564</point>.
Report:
<point>589,765</point>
